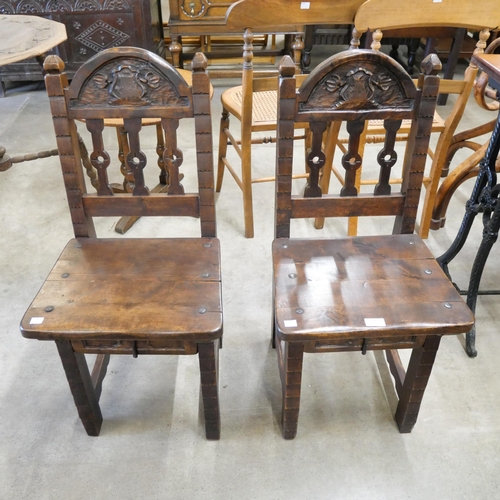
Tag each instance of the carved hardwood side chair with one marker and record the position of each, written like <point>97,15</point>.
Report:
<point>132,296</point>
<point>381,15</point>
<point>253,103</point>
<point>367,292</point>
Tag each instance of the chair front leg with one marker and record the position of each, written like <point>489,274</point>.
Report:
<point>209,373</point>
<point>82,388</point>
<point>224,124</point>
<point>290,357</point>
<point>415,382</point>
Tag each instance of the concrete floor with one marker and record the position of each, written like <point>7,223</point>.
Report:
<point>152,443</point>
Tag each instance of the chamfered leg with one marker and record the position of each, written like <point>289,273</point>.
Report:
<point>291,356</point>
<point>82,388</point>
<point>415,382</point>
<point>209,373</point>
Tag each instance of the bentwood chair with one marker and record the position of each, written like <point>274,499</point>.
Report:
<point>132,296</point>
<point>253,103</point>
<point>420,15</point>
<point>368,292</point>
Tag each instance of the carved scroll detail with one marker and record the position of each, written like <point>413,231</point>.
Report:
<point>354,87</point>
<point>6,8</point>
<point>29,8</point>
<point>190,9</point>
<point>128,83</point>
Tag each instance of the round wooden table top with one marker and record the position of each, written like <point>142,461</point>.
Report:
<point>28,36</point>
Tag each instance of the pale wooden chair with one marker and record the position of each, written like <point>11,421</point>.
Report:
<point>379,15</point>
<point>253,104</point>
<point>132,296</point>
<point>467,139</point>
<point>363,293</point>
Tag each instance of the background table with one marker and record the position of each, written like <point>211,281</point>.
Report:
<point>22,37</point>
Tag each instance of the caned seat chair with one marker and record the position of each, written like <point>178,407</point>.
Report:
<point>253,103</point>
<point>358,293</point>
<point>132,296</point>
<point>380,15</point>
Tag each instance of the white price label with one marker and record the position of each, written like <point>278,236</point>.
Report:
<point>374,321</point>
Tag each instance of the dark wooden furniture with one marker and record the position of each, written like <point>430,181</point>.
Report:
<point>324,34</point>
<point>92,26</point>
<point>367,292</point>
<point>205,19</point>
<point>194,17</point>
<point>483,199</point>
<point>127,186</point>
<point>132,296</point>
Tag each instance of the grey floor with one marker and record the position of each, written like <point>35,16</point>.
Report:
<point>152,443</point>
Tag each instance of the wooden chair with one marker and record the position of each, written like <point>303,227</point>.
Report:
<point>253,103</point>
<point>467,139</point>
<point>380,15</point>
<point>131,295</point>
<point>367,292</point>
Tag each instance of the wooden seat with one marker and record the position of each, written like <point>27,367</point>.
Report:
<point>381,15</point>
<point>132,296</point>
<point>253,104</point>
<point>367,292</point>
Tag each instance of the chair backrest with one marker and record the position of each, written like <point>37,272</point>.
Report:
<point>287,16</point>
<point>380,15</point>
<point>389,14</point>
<point>354,86</point>
<point>131,84</point>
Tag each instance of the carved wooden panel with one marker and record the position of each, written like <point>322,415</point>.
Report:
<point>351,86</point>
<point>128,82</point>
<point>194,10</point>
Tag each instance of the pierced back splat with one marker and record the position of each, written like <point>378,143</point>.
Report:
<point>353,87</point>
<point>132,85</point>
<point>172,156</point>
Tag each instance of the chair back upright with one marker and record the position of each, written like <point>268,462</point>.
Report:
<point>355,86</point>
<point>131,84</point>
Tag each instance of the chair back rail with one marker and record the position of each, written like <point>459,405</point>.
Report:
<point>387,14</point>
<point>278,16</point>
<point>354,86</point>
<point>132,84</point>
